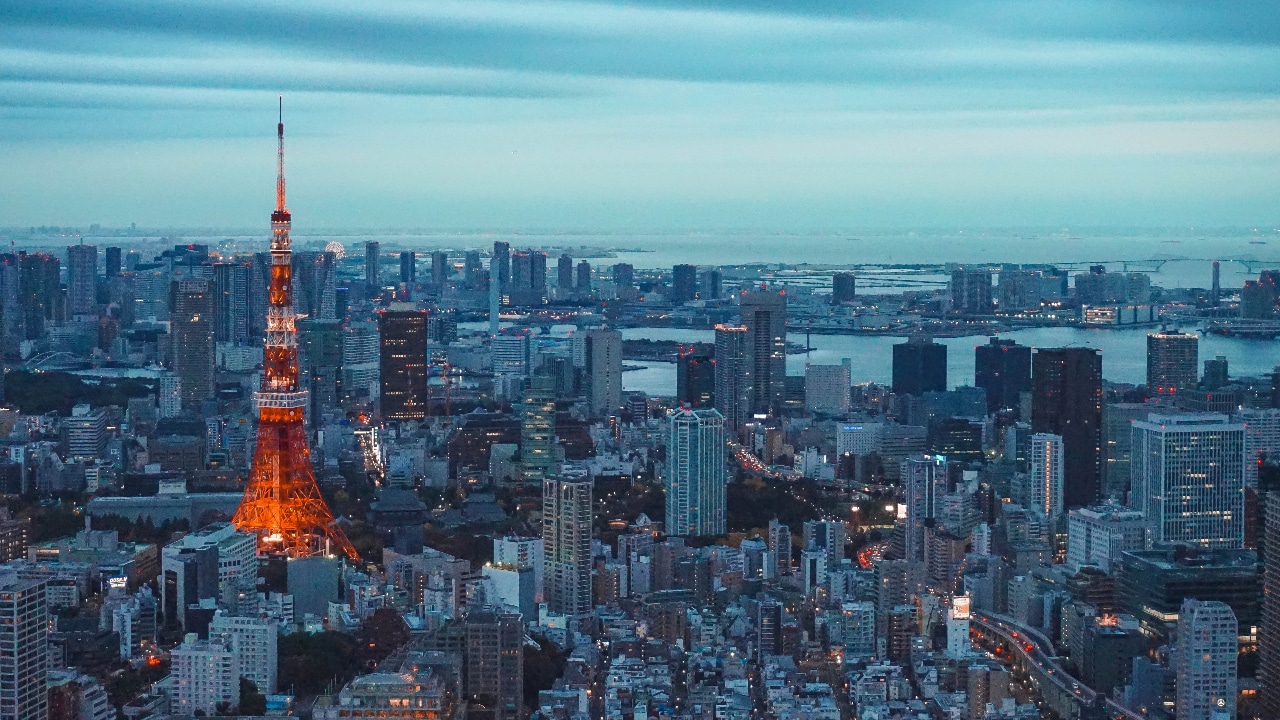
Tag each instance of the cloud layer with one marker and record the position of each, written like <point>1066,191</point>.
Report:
<point>755,113</point>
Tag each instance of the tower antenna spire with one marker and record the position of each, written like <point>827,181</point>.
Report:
<point>280,159</point>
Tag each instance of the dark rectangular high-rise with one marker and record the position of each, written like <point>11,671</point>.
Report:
<point>502,258</point>
<point>919,366</point>
<point>844,287</point>
<point>40,290</point>
<point>439,269</point>
<point>1173,360</point>
<point>684,283</point>
<point>192,330</point>
<point>1066,400</point>
<point>495,663</point>
<point>564,274</point>
<point>695,379</point>
<point>971,291</point>
<point>372,257</point>
<point>231,302</point>
<point>408,266</point>
<point>1003,369</point>
<point>764,313</point>
<point>113,261</point>
<point>584,277</point>
<point>82,279</point>
<point>403,364</point>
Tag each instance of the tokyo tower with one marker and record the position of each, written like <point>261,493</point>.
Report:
<point>282,504</point>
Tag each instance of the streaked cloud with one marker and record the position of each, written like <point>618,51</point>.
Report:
<point>568,112</point>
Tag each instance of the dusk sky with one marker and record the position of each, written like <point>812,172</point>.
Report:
<point>656,115</point>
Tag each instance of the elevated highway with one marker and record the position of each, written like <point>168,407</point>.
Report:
<point>1030,655</point>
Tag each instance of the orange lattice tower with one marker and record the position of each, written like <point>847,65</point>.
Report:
<point>282,503</point>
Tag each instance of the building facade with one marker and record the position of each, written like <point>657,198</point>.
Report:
<point>695,482</point>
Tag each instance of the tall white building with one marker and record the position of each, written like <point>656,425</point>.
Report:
<point>826,389</point>
<point>253,640</point>
<point>205,673</point>
<point>24,649</point>
<point>1045,496</point>
<point>1099,535</point>
<point>1261,437</point>
<point>1206,660</point>
<point>1188,478</point>
<point>695,478</point>
<point>566,538</point>
<point>361,350</point>
<point>924,478</point>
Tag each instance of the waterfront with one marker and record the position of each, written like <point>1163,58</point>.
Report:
<point>1124,354</point>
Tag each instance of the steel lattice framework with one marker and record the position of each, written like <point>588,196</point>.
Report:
<point>282,504</point>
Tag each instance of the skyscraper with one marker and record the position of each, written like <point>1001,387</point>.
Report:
<point>315,284</point>
<point>924,479</point>
<point>684,283</point>
<point>439,269</point>
<point>495,663</point>
<point>82,279</point>
<point>113,261</point>
<point>764,314</point>
<point>919,366</point>
<point>971,291</point>
<point>231,302</point>
<point>1066,400</point>
<point>712,284</point>
<point>695,379</point>
<point>372,258</point>
<point>24,649</point>
<point>1003,369</point>
<point>695,483</point>
<point>564,274</point>
<point>1206,660</point>
<point>1045,496</point>
<point>624,281</point>
<point>409,267</point>
<point>1173,361</point>
<point>1188,479</point>
<point>604,371</point>
<point>502,258</point>
<point>40,291</point>
<point>844,287</point>
<point>538,428</point>
<point>566,538</point>
<point>732,375</point>
<point>584,277</point>
<point>403,364</point>
<point>191,326</point>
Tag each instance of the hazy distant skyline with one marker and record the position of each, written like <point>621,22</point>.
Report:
<point>649,114</point>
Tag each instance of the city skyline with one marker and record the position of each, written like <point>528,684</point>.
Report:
<point>644,115</point>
